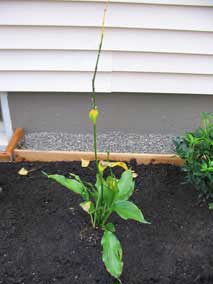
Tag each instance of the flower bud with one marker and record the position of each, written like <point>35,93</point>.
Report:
<point>112,184</point>
<point>93,115</point>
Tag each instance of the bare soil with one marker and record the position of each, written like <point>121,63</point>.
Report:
<point>46,238</point>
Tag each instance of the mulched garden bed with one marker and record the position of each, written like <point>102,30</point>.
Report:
<point>46,238</point>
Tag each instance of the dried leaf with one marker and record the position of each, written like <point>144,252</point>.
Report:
<point>84,163</point>
<point>134,174</point>
<point>23,172</point>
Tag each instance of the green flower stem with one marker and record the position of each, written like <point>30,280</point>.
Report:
<point>100,197</point>
<point>95,72</point>
<point>92,221</point>
<point>98,57</point>
<point>95,145</point>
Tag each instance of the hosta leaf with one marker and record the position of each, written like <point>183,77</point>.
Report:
<point>125,186</point>
<point>128,210</point>
<point>112,254</point>
<point>71,184</point>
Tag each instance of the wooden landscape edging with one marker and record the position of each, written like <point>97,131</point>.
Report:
<point>7,155</point>
<point>56,156</point>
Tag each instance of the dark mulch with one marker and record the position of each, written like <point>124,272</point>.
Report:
<point>45,237</point>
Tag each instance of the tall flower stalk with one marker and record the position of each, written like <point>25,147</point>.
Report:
<point>98,55</point>
<point>94,113</point>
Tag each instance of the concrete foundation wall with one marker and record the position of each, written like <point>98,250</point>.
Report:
<point>131,113</point>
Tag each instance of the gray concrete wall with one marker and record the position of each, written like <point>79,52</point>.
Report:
<point>132,113</point>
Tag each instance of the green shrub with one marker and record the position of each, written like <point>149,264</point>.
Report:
<point>196,149</point>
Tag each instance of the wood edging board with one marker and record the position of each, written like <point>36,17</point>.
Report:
<point>56,156</point>
<point>7,155</point>
<point>4,157</point>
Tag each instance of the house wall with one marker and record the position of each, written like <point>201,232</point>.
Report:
<point>129,113</point>
<point>157,54</point>
<point>149,46</point>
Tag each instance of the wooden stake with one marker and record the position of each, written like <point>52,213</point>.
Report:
<point>16,137</point>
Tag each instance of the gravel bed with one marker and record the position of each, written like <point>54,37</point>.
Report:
<point>113,141</point>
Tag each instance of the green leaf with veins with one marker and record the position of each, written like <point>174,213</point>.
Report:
<point>112,254</point>
<point>128,210</point>
<point>71,184</point>
<point>125,185</point>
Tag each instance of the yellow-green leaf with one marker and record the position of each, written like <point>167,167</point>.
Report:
<point>87,206</point>
<point>105,164</point>
<point>119,164</point>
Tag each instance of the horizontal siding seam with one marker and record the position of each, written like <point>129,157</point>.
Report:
<point>106,72</point>
<point>107,27</point>
<point>162,3</point>
<point>105,50</point>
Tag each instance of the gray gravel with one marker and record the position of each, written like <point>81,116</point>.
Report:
<point>113,141</point>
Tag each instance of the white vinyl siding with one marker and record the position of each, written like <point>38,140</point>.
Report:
<point>149,46</point>
<point>119,15</point>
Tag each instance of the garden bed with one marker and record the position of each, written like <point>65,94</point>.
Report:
<point>45,237</point>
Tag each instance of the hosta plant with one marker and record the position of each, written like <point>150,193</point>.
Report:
<point>196,149</point>
<point>108,195</point>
